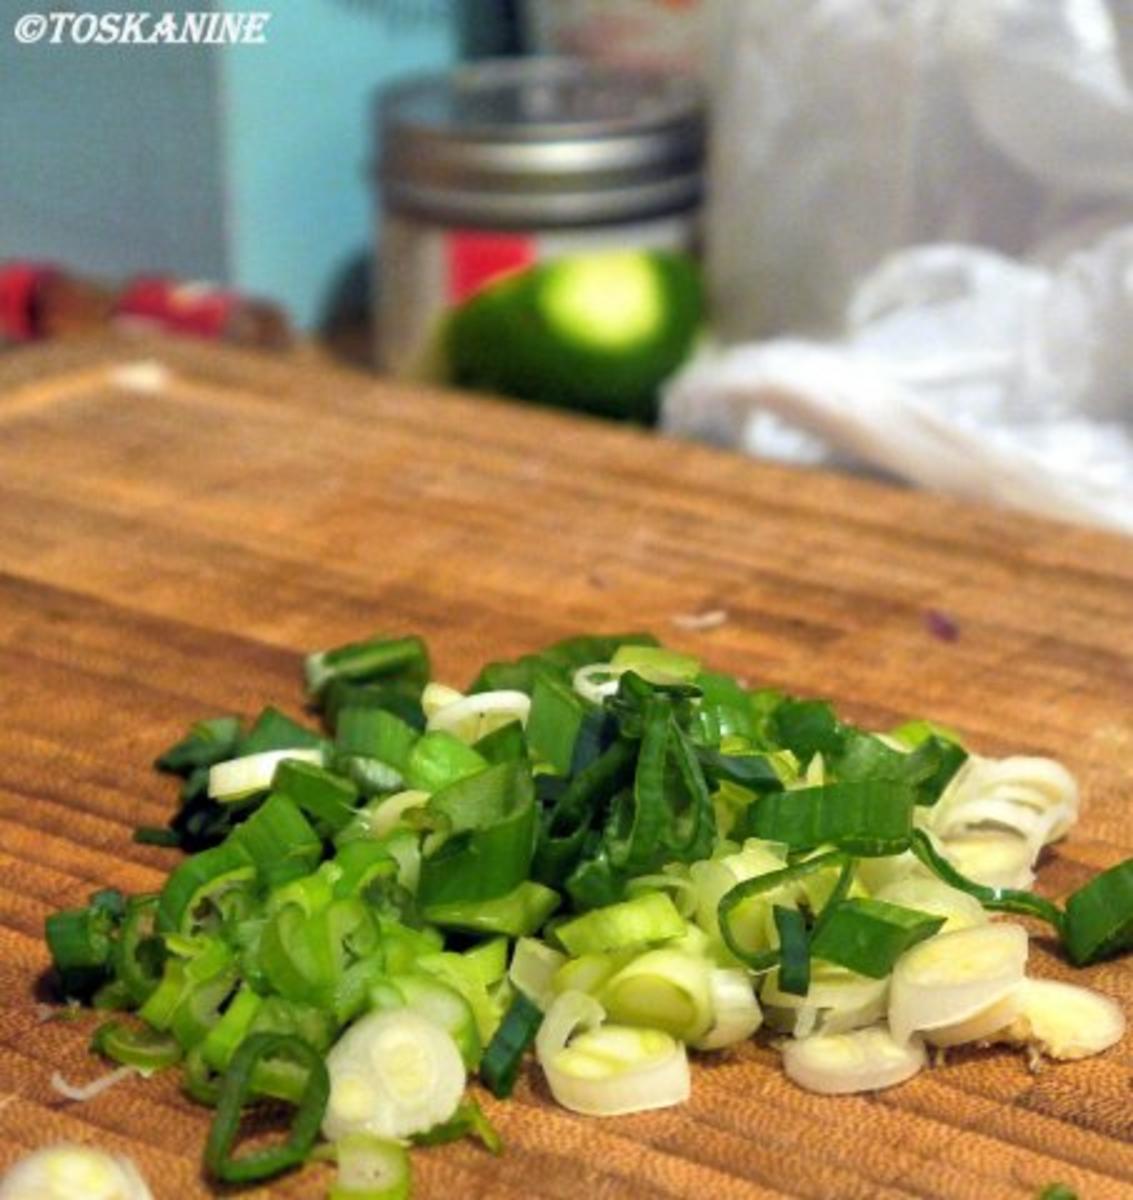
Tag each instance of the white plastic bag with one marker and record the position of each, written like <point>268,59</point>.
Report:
<point>942,190</point>
<point>847,129</point>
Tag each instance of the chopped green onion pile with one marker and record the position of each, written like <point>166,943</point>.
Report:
<point>602,852</point>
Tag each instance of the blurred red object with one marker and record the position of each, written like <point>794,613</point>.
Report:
<point>41,300</point>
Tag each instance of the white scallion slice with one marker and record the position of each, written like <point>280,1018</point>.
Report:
<point>570,1012</point>
<point>436,696</point>
<point>953,978</point>
<point>596,681</point>
<point>865,1060</point>
<point>1017,785</point>
<point>474,717</point>
<point>994,858</point>
<point>1065,1021</point>
<point>68,1171</point>
<point>239,778</point>
<point>877,873</point>
<point>392,1074</point>
<point>837,1001</point>
<point>981,1026</point>
<point>662,989</point>
<point>736,1014</point>
<point>616,1069</point>
<point>385,816</point>
<point>608,1070</point>
<point>928,894</point>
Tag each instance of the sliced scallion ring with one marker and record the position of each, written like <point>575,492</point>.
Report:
<point>239,778</point>
<point>865,1060</point>
<point>392,1075</point>
<point>473,717</point>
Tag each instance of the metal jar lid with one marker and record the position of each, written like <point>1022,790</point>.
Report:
<point>541,142</point>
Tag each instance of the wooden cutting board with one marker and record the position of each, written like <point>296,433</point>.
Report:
<point>175,533</point>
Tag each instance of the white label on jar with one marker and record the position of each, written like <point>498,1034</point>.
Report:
<point>424,270</point>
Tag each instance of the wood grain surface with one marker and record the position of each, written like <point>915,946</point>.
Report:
<point>172,541</point>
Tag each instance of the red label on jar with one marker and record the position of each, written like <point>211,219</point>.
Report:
<point>18,284</point>
<point>198,309</point>
<point>476,258</point>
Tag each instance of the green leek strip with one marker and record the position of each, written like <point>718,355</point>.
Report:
<point>198,1081</point>
<point>596,735</point>
<point>326,798</point>
<point>403,946</point>
<point>756,886</point>
<point>645,919</point>
<point>80,943</point>
<point>303,957</point>
<point>1008,900</point>
<point>506,744</point>
<point>578,807</point>
<point>279,840</point>
<point>635,835</point>
<point>499,1068</point>
<point>670,816</point>
<point>359,864</point>
<point>274,730</point>
<point>198,882</point>
<point>492,818</point>
<point>199,1010</point>
<point>794,950</point>
<point>312,893</point>
<point>724,710</point>
<point>490,959</point>
<point>943,757</point>
<point>401,699</point>
<point>807,728</point>
<point>147,1049</point>
<point>868,936</point>
<point>384,659</point>
<point>113,996</point>
<point>235,1092</point>
<point>838,893</point>
<point>754,772</point>
<point>139,954</point>
<point>563,657</point>
<point>207,742</point>
<point>1099,916</point>
<point>556,717</point>
<point>867,818</point>
<point>680,889</point>
<point>438,760</point>
<point>234,1025</point>
<point>375,733</point>
<point>469,1120</point>
<point>158,1010</point>
<point>519,913</point>
<point>453,970</point>
<point>655,664</point>
<point>156,835</point>
<point>587,973</point>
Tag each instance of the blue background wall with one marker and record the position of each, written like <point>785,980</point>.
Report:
<point>248,165</point>
<point>301,143</point>
<point>110,157</point>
